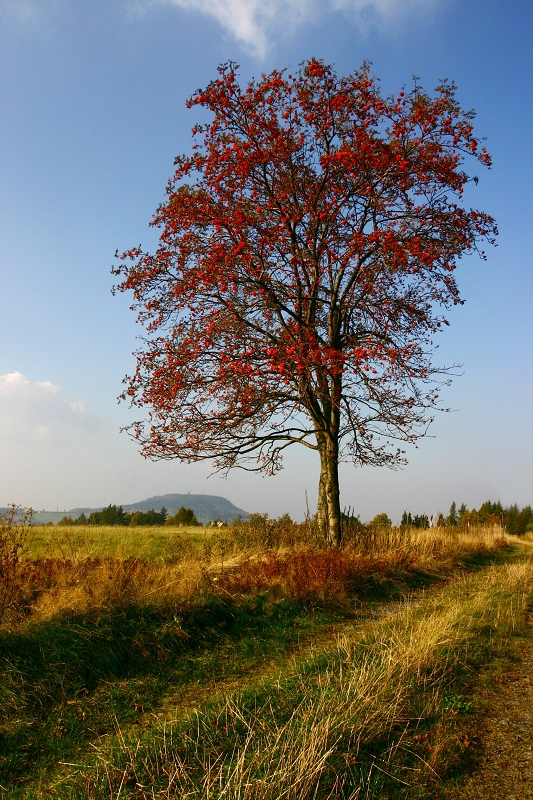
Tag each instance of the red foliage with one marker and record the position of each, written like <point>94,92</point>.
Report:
<point>294,293</point>
<point>312,574</point>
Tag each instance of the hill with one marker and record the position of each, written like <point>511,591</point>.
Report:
<point>206,507</point>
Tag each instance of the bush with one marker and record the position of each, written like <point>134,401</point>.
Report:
<point>381,521</point>
<point>14,525</point>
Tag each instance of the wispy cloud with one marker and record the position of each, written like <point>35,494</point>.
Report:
<point>29,11</point>
<point>254,23</point>
<point>38,411</point>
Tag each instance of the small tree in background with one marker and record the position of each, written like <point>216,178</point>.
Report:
<point>150,517</point>
<point>381,521</point>
<point>453,518</point>
<point>110,515</point>
<point>306,246</point>
<point>183,517</point>
<point>416,521</point>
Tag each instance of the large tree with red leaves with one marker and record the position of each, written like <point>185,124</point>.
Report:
<point>308,246</point>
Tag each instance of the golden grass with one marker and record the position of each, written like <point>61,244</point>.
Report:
<point>310,734</point>
<point>330,726</point>
<point>97,571</point>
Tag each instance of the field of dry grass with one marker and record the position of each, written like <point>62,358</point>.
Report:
<point>76,569</point>
<point>376,715</point>
<point>108,541</point>
<point>309,672</point>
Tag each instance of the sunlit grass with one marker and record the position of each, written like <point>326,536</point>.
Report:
<point>117,631</point>
<point>108,541</point>
<point>368,717</point>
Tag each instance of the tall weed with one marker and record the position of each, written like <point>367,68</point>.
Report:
<point>14,529</point>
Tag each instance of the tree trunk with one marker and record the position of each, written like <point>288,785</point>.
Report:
<point>333,496</point>
<point>322,506</point>
<point>328,511</point>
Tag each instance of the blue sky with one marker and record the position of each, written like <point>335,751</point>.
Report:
<point>93,112</point>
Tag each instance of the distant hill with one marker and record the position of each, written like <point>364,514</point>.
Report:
<point>206,507</point>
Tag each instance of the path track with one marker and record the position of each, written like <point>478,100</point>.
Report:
<point>506,768</point>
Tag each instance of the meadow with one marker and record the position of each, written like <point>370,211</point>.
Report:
<point>150,543</point>
<point>251,662</point>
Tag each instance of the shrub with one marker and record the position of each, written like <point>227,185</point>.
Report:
<point>381,521</point>
<point>14,525</point>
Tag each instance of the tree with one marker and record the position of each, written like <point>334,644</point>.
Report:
<point>421,521</point>
<point>381,521</point>
<point>453,518</point>
<point>417,521</point>
<point>183,517</point>
<point>150,517</point>
<point>307,244</point>
<point>407,519</point>
<point>110,515</point>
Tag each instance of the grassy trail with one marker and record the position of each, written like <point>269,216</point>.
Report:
<point>316,638</point>
<point>504,754</point>
<point>288,682</point>
<point>410,681</point>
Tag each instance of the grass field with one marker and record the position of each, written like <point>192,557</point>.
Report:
<point>248,662</point>
<point>109,541</point>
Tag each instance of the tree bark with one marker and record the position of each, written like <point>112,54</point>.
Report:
<point>322,506</point>
<point>333,498</point>
<point>328,511</point>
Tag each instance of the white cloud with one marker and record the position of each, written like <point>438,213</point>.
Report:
<point>30,11</point>
<point>38,411</point>
<point>254,23</point>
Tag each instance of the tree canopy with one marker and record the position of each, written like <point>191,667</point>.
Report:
<point>307,244</point>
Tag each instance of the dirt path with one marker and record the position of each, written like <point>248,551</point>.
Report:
<point>506,769</point>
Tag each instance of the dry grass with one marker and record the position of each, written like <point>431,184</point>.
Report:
<point>341,726</point>
<point>91,638</point>
<point>227,564</point>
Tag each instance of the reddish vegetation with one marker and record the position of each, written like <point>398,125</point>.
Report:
<point>310,574</point>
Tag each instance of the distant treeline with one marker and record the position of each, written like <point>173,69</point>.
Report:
<point>516,521</point>
<point>115,515</point>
